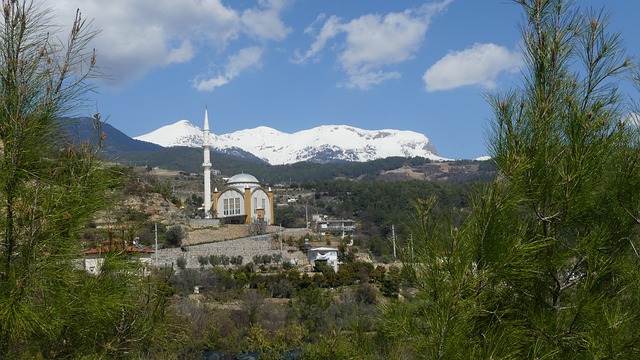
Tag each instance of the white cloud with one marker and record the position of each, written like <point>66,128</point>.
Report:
<point>331,28</point>
<point>180,54</point>
<point>248,58</point>
<point>477,65</point>
<point>365,79</point>
<point>265,23</point>
<point>374,42</point>
<point>137,36</point>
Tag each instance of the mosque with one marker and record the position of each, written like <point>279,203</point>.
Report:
<point>242,200</point>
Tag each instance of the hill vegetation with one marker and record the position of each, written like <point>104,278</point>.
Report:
<point>190,160</point>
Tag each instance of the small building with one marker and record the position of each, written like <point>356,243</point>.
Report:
<point>243,201</point>
<point>94,258</point>
<point>339,228</point>
<point>327,255</point>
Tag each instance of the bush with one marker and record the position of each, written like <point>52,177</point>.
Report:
<point>236,260</point>
<point>267,259</point>
<point>390,288</point>
<point>216,260</point>
<point>366,294</point>
<point>241,278</point>
<point>322,267</point>
<point>174,235</point>
<point>181,262</point>
<point>280,289</point>
<point>203,260</point>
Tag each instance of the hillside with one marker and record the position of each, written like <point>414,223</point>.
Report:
<point>115,142</point>
<point>190,160</point>
<point>230,160</point>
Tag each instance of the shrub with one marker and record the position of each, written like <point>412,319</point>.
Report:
<point>366,294</point>
<point>280,289</point>
<point>236,260</point>
<point>174,235</point>
<point>181,262</point>
<point>203,260</point>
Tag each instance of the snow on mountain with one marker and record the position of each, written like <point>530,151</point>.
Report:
<point>182,133</point>
<point>327,143</point>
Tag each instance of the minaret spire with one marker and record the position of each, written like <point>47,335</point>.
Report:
<point>206,122</point>
<point>206,146</point>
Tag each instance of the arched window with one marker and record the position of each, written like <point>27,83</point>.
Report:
<point>231,206</point>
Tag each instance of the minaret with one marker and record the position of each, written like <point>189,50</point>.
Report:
<point>207,167</point>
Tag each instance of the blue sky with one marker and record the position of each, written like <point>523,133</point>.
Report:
<point>292,65</point>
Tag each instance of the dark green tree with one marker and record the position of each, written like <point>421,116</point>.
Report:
<point>47,186</point>
<point>50,186</point>
<point>174,235</point>
<point>547,265</point>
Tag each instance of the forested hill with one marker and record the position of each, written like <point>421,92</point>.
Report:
<point>393,168</point>
<point>121,149</point>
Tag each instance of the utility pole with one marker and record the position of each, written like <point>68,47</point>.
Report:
<point>411,241</point>
<point>156,240</point>
<point>280,239</point>
<point>393,239</point>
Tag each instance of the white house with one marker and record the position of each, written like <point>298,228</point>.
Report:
<point>94,258</point>
<point>341,228</point>
<point>324,254</point>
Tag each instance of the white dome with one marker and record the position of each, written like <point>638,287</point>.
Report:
<point>242,178</point>
<point>241,181</point>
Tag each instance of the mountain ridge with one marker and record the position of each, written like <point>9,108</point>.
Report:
<point>321,144</point>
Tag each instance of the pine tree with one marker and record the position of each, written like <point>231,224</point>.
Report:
<point>50,186</point>
<point>547,265</point>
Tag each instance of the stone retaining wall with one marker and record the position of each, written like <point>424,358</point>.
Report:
<point>245,247</point>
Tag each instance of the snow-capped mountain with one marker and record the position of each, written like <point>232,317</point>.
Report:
<point>182,133</point>
<point>327,143</point>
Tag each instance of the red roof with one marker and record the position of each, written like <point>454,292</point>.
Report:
<point>118,246</point>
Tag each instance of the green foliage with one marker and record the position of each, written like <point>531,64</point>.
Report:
<point>391,283</point>
<point>267,259</point>
<point>216,282</point>
<point>174,235</point>
<point>280,289</point>
<point>366,294</point>
<point>546,266</point>
<point>203,260</point>
<point>49,189</point>
<point>322,267</point>
<point>378,205</point>
<point>309,306</point>
<point>288,217</point>
<point>236,260</point>
<point>190,160</point>
<point>181,262</point>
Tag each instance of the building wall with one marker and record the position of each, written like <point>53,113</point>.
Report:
<point>93,263</point>
<point>235,203</point>
<point>246,202</point>
<point>340,228</point>
<point>261,200</point>
<point>329,255</point>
